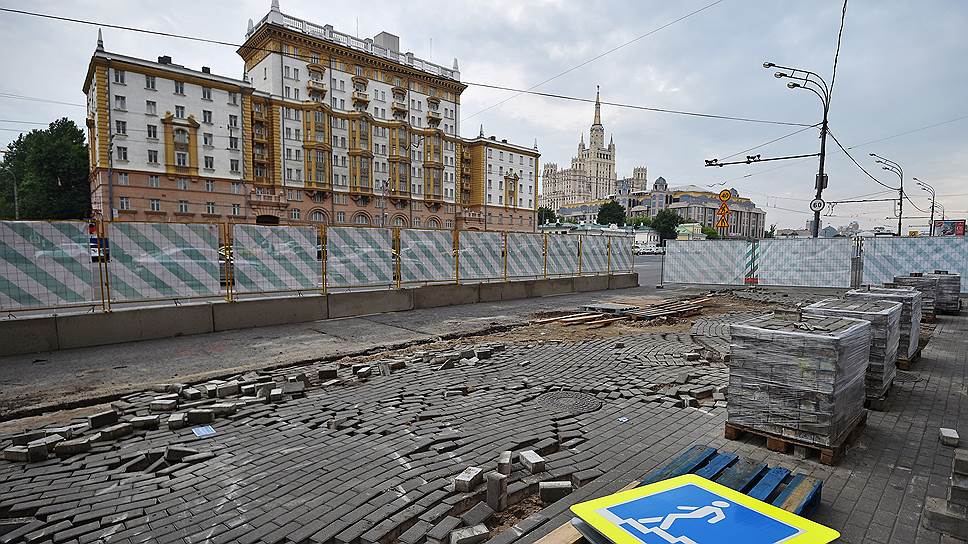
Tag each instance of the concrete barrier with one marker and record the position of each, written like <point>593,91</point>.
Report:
<point>77,331</point>
<point>552,286</point>
<point>263,312</point>
<point>512,290</point>
<point>434,296</point>
<point>28,335</point>
<point>369,302</point>
<point>623,281</point>
<point>591,283</point>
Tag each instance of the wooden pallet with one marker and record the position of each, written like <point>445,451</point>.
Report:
<point>669,309</point>
<point>828,455</point>
<point>795,493</point>
<point>906,363</point>
<point>879,404</point>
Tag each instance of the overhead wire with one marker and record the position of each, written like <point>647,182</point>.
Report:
<point>852,159</point>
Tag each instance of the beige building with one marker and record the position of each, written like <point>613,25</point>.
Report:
<point>325,128</point>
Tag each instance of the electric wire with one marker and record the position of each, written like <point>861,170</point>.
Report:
<point>852,159</point>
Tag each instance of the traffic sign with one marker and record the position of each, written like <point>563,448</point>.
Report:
<point>722,223</point>
<point>723,209</point>
<point>817,204</point>
<point>725,195</point>
<point>690,509</point>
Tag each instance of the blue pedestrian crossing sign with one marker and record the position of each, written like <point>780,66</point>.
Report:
<point>690,509</point>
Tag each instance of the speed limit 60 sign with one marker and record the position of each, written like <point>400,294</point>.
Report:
<point>817,204</point>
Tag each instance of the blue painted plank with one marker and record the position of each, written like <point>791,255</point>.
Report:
<point>773,478</point>
<point>800,495</point>
<point>683,464</point>
<point>716,465</point>
<point>742,475</point>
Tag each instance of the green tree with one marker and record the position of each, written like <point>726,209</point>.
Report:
<point>611,212</point>
<point>641,221</point>
<point>50,169</point>
<point>711,233</point>
<point>666,222</point>
<point>546,215</point>
<point>771,233</point>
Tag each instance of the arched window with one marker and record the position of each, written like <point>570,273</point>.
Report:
<point>433,223</point>
<point>361,219</point>
<point>317,216</point>
<point>399,221</point>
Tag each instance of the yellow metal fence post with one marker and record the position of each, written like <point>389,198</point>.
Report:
<point>580,236</point>
<point>396,255</point>
<point>227,250</point>
<point>608,268</point>
<point>322,256</point>
<point>456,237</point>
<point>504,243</point>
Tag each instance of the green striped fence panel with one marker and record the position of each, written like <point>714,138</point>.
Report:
<point>594,254</point>
<point>525,255</point>
<point>804,262</point>
<point>481,256</point>
<point>358,257</point>
<point>46,264</point>
<point>268,258</point>
<point>426,256</point>
<point>705,262</point>
<point>621,254</point>
<point>562,255</point>
<point>163,260</point>
<point>885,258</point>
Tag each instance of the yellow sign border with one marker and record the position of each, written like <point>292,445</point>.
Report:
<point>727,194</point>
<point>812,532</point>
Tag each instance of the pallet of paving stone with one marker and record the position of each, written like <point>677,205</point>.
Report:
<point>793,492</point>
<point>927,285</point>
<point>949,292</point>
<point>907,363</point>
<point>910,324</point>
<point>885,319</point>
<point>798,377</point>
<point>827,455</point>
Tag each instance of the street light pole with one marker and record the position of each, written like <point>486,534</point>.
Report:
<point>895,169</point>
<point>929,189</point>
<point>813,82</point>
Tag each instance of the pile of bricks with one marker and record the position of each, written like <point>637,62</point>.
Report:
<point>927,285</point>
<point>950,515</point>
<point>910,324</point>
<point>949,291</point>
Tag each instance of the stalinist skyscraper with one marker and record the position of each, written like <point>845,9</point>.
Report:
<point>591,175</point>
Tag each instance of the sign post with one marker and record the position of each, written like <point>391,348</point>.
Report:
<point>690,509</point>
<point>723,212</point>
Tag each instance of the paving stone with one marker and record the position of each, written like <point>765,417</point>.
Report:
<point>145,422</point>
<point>532,461</point>
<point>75,445</point>
<point>329,373</point>
<point>177,420</point>
<point>222,409</point>
<point>960,464</point>
<point>470,535</point>
<point>191,393</point>
<point>550,492</point>
<point>16,453</point>
<point>939,516</point>
<point>227,389</point>
<point>949,437</point>
<point>441,531</point>
<point>479,513</point>
<point>177,453</point>
<point>102,419</point>
<point>163,405</point>
<point>504,462</point>
<point>115,432</point>
<point>497,491</point>
<point>470,478</point>
<point>200,415</point>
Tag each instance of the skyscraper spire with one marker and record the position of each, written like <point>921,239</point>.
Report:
<point>598,106</point>
<point>100,41</point>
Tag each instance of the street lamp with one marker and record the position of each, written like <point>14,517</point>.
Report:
<point>896,169</point>
<point>929,189</point>
<point>810,81</point>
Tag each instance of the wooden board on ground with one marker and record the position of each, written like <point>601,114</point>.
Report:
<point>828,455</point>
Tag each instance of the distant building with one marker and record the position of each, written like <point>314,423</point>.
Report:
<point>579,212</point>
<point>647,236</point>
<point>690,231</point>
<point>628,191</point>
<point>700,205</point>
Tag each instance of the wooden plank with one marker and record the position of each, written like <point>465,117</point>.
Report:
<point>684,464</point>
<point>768,483</point>
<point>801,494</point>
<point>605,321</point>
<point>579,319</point>
<point>565,534</point>
<point>716,465</point>
<point>742,475</point>
<point>551,319</point>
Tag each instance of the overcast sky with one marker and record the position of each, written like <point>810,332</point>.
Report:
<point>901,68</point>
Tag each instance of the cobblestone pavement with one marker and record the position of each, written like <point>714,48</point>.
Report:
<point>369,451</point>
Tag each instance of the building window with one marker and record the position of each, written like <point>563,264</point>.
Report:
<point>234,121</point>
<point>234,165</point>
<point>209,186</point>
<point>210,207</point>
<point>182,184</point>
<point>449,224</point>
<point>206,93</point>
<point>416,222</point>
<point>181,159</point>
<point>207,139</point>
<point>233,142</point>
<point>119,102</point>
<point>150,82</point>
<point>122,153</point>
<point>121,127</point>
<point>236,209</point>
<point>180,112</point>
<point>122,178</point>
<point>153,132</point>
<point>182,206</point>
<point>233,99</point>
<point>210,163</point>
<point>317,217</point>
<point>179,87</point>
<point>361,219</point>
<point>154,204</point>
<point>153,156</point>
<point>154,181</point>
<point>294,213</point>
<point>207,116</point>
<point>340,217</point>
<point>124,203</point>
<point>119,77</point>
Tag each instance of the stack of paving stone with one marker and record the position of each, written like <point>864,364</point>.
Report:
<point>798,377</point>
<point>949,515</point>
<point>885,319</point>
<point>926,285</point>
<point>949,289</point>
<point>910,314</point>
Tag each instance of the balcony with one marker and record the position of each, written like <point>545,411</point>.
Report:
<point>266,204</point>
<point>259,136</point>
<point>259,115</point>
<point>260,157</point>
<point>360,80</point>
<point>316,67</point>
<point>433,118</point>
<point>433,101</point>
<point>316,86</point>
<point>398,107</point>
<point>361,97</point>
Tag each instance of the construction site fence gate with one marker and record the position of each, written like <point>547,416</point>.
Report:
<point>811,262</point>
<point>48,265</point>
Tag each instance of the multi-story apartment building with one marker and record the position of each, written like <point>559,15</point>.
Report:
<point>325,128</point>
<point>699,205</point>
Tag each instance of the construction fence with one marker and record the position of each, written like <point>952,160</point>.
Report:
<point>811,262</point>
<point>46,265</point>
